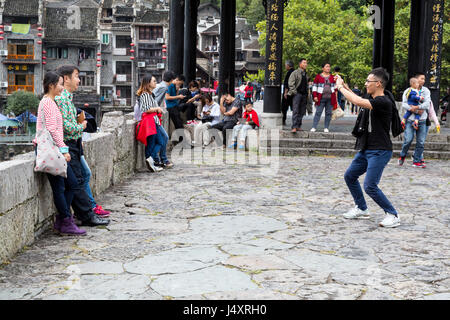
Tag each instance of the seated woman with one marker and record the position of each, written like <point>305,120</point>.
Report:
<point>210,116</point>
<point>251,122</point>
<point>149,128</point>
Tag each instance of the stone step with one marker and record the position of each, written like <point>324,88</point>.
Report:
<point>348,136</point>
<point>441,155</point>
<point>346,144</point>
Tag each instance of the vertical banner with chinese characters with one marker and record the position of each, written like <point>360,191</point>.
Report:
<point>435,44</point>
<point>274,55</point>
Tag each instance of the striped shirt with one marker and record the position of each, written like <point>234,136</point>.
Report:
<point>147,101</point>
<point>53,122</point>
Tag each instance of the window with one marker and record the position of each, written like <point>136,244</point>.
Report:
<point>86,53</point>
<point>106,12</point>
<point>150,32</point>
<point>57,53</point>
<point>124,19</point>
<point>152,55</point>
<point>104,62</point>
<point>123,67</point>
<point>20,49</point>
<point>255,54</point>
<point>240,56</point>
<point>87,79</point>
<point>105,38</point>
<point>123,92</point>
<point>106,93</point>
<point>123,41</point>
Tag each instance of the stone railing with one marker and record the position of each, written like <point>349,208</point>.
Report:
<point>26,200</point>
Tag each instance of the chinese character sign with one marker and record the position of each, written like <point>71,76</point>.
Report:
<point>274,42</point>
<point>435,44</point>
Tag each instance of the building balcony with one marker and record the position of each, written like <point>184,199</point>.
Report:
<point>20,57</point>
<point>122,102</point>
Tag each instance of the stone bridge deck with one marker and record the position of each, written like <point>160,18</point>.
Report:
<point>235,231</point>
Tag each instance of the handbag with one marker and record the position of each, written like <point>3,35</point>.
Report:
<point>207,119</point>
<point>48,158</point>
<point>337,113</point>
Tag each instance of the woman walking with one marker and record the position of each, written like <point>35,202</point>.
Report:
<point>62,187</point>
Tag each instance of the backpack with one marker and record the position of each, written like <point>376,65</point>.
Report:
<point>396,124</point>
<point>137,110</point>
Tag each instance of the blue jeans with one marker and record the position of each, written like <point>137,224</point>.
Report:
<point>87,177</point>
<point>155,143</point>
<point>63,191</point>
<point>163,151</point>
<point>324,104</point>
<point>371,162</point>
<point>420,139</point>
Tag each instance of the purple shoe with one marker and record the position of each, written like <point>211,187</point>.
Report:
<point>69,228</point>
<point>57,224</point>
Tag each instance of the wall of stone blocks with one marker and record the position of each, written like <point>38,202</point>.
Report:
<point>26,201</point>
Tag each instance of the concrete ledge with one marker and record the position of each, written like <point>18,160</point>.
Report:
<point>26,200</point>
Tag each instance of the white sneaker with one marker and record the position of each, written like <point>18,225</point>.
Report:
<point>357,213</point>
<point>313,130</point>
<point>151,165</point>
<point>326,130</point>
<point>390,221</point>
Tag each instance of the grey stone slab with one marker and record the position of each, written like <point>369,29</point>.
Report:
<point>103,287</point>
<point>100,267</point>
<point>259,262</point>
<point>228,229</point>
<point>178,260</point>
<point>256,246</point>
<point>208,280</point>
<point>438,296</point>
<point>258,294</point>
<point>19,293</point>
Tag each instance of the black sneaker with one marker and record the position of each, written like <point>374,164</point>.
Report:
<point>401,160</point>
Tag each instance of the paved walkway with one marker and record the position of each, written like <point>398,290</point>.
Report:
<point>244,231</point>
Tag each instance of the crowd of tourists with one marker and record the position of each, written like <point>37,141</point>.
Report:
<point>69,174</point>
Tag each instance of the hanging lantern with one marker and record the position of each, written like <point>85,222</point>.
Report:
<point>98,65</point>
<point>164,50</point>
<point>164,57</point>
<point>1,38</point>
<point>44,58</point>
<point>132,44</point>
<point>98,59</point>
<point>132,58</point>
<point>99,54</point>
<point>1,26</point>
<point>39,28</point>
<point>1,32</point>
<point>44,52</point>
<point>39,42</point>
<point>39,34</point>
<point>44,62</point>
<point>86,104</point>
<point>132,51</point>
<point>164,46</point>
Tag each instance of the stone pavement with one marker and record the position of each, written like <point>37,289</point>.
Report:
<point>236,231</point>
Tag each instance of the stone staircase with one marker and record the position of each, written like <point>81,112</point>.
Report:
<point>305,143</point>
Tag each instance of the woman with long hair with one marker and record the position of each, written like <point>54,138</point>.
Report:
<point>62,187</point>
<point>150,131</point>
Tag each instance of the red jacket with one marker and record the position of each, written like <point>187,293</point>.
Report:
<point>318,86</point>
<point>252,116</point>
<point>248,91</point>
<point>146,127</point>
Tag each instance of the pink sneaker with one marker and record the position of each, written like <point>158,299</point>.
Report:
<point>101,212</point>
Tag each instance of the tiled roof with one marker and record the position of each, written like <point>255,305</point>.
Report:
<point>21,8</point>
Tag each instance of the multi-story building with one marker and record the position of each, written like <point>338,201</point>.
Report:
<point>20,47</point>
<point>71,37</point>
<point>133,37</point>
<point>247,46</point>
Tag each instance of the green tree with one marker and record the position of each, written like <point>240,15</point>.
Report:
<point>255,77</point>
<point>20,102</point>
<point>321,31</point>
